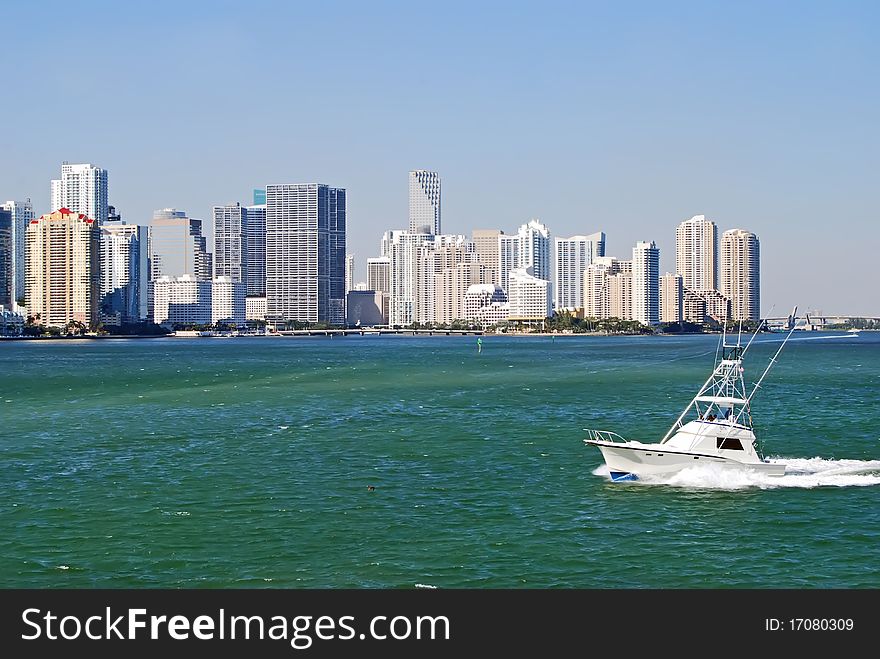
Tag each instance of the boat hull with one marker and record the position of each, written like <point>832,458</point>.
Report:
<point>634,460</point>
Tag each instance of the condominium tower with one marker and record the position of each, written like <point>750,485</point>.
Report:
<point>696,253</point>
<point>21,213</point>
<point>646,283</point>
<point>572,256</point>
<point>424,202</point>
<point>231,242</point>
<point>82,188</point>
<point>741,273</point>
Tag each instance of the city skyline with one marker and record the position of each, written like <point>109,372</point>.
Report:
<point>769,128</point>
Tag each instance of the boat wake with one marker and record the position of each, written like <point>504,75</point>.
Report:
<point>805,473</point>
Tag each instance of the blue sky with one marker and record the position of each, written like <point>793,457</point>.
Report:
<point>626,117</point>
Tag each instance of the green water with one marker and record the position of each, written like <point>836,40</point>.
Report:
<point>246,462</point>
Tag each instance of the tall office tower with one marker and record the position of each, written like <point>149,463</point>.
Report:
<point>508,258</point>
<point>63,269</point>
<point>696,253</point>
<point>534,249</point>
<point>486,247</point>
<point>741,273</point>
<point>123,273</point>
<point>424,202</point>
<point>572,256</point>
<point>379,274</point>
<point>231,242</point>
<point>305,253</point>
<point>22,212</point>
<point>529,296</point>
<point>82,189</point>
<point>7,247</point>
<point>177,246</point>
<point>256,250</point>
<point>349,273</point>
<point>671,298</point>
<point>646,283</point>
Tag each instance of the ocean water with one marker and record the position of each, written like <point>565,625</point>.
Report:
<point>395,461</point>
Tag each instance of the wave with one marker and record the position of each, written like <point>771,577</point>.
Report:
<point>807,473</point>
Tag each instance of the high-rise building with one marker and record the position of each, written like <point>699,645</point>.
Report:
<point>63,269</point>
<point>572,256</point>
<point>646,283</point>
<point>231,242</point>
<point>671,298</point>
<point>305,253</point>
<point>620,295</point>
<point>7,248</point>
<point>123,273</point>
<point>534,248</point>
<point>349,273</point>
<point>508,258</point>
<point>529,296</point>
<point>741,273</point>
<point>451,285</point>
<point>364,308</point>
<point>21,213</point>
<point>256,249</point>
<point>693,307</point>
<point>228,306</point>
<point>608,288</point>
<point>378,274</point>
<point>182,300</point>
<point>82,188</point>
<point>177,246</point>
<point>424,202</point>
<point>696,253</point>
<point>486,247</point>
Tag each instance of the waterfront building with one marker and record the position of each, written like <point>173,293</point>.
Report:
<point>231,242</point>
<point>529,296</point>
<point>182,300</point>
<point>11,322</point>
<point>256,248</point>
<point>82,189</point>
<point>7,247</point>
<point>424,202</point>
<point>479,296</point>
<point>534,249</point>
<point>693,307</point>
<point>349,273</point>
<point>228,301</point>
<point>487,250</point>
<point>305,253</point>
<point>508,258</point>
<point>696,253</point>
<point>21,213</point>
<point>620,295</point>
<point>62,257</point>
<point>671,298</point>
<point>255,307</point>
<point>379,274</point>
<point>366,308</point>
<point>717,305</point>
<point>124,273</point>
<point>493,314</point>
<point>741,273</point>
<point>646,283</point>
<point>177,246</point>
<point>451,285</point>
<point>572,256</point>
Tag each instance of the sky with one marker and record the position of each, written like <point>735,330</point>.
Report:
<point>622,117</point>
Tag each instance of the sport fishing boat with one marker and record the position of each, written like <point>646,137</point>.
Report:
<point>715,428</point>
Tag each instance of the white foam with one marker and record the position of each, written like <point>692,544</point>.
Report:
<point>602,470</point>
<point>426,585</point>
<point>800,472</point>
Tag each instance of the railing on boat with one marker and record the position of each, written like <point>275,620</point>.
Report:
<point>603,436</point>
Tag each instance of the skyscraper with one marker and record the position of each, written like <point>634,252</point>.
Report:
<point>741,273</point>
<point>572,256</point>
<point>349,273</point>
<point>305,253</point>
<point>21,212</point>
<point>256,249</point>
<point>231,242</point>
<point>82,188</point>
<point>646,283</point>
<point>177,246</point>
<point>508,258</point>
<point>123,273</point>
<point>7,247</point>
<point>696,253</point>
<point>671,298</point>
<point>424,202</point>
<point>379,274</point>
<point>487,250</point>
<point>534,248</point>
<point>63,279</point>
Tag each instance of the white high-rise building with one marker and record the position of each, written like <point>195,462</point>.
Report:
<point>529,296</point>
<point>607,289</point>
<point>508,258</point>
<point>182,300</point>
<point>82,188</point>
<point>230,242</point>
<point>696,253</point>
<point>741,273</point>
<point>424,202</point>
<point>486,247</point>
<point>228,301</point>
<point>21,213</point>
<point>646,283</point>
<point>534,248</point>
<point>305,253</point>
<point>573,256</point>
<point>124,273</point>
<point>349,273</point>
<point>379,274</point>
<point>63,269</point>
<point>403,254</point>
<point>256,250</point>
<point>671,298</point>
